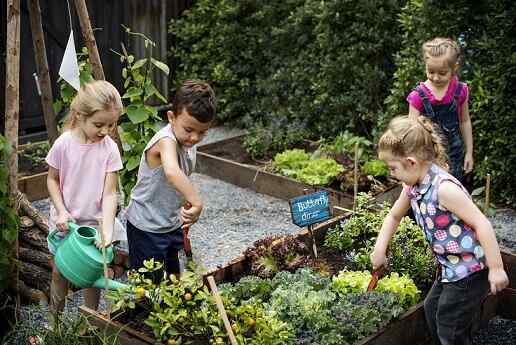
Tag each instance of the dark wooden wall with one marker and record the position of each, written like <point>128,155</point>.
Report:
<point>150,17</point>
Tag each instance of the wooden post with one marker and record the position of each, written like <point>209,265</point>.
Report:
<point>355,178</point>
<point>488,192</point>
<point>12,106</point>
<point>38,39</point>
<point>89,38</point>
<point>91,44</point>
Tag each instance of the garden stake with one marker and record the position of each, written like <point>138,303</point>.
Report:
<point>355,178</point>
<point>488,191</point>
<point>222,310</point>
<point>104,262</point>
<point>314,246</point>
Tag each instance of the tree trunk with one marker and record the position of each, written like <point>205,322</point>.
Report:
<point>34,256</point>
<point>35,237</point>
<point>30,211</point>
<point>44,86</point>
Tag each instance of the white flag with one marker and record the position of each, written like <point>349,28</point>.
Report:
<point>69,69</point>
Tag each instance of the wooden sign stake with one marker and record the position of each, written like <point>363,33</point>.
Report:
<point>488,192</point>
<point>310,230</point>
<point>355,178</point>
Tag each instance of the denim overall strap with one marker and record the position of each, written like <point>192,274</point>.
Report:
<point>429,111</point>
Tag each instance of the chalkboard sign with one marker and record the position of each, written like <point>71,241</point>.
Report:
<point>310,209</point>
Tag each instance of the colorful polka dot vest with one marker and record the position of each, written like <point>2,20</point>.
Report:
<point>453,242</point>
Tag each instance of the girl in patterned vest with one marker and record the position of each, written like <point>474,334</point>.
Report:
<point>444,99</point>
<point>460,236</point>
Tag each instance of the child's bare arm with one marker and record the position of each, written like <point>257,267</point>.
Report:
<point>467,134</point>
<point>389,226</point>
<point>176,177</point>
<point>109,202</point>
<point>63,217</point>
<point>456,201</point>
<point>413,112</point>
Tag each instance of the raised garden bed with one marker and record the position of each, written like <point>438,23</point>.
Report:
<point>32,170</point>
<point>227,160</point>
<point>410,328</point>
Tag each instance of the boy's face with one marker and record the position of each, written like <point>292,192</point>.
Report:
<point>187,129</point>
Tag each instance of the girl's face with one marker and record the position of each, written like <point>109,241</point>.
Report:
<point>404,169</point>
<point>438,71</point>
<point>187,129</point>
<point>95,127</point>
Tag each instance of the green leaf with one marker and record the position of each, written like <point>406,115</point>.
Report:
<point>139,64</point>
<point>137,113</point>
<point>132,92</point>
<point>161,65</point>
<point>132,163</point>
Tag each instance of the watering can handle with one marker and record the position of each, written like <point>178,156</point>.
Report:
<point>52,236</point>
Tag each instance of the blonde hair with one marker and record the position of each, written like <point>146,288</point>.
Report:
<point>93,96</point>
<point>441,46</point>
<point>417,137</point>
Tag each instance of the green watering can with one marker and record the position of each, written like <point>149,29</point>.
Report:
<point>79,260</point>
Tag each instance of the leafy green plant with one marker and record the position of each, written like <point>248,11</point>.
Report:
<point>376,168</point>
<point>351,281</point>
<point>289,162</point>
<point>276,253</point>
<point>35,153</point>
<point>143,118</point>
<point>403,286</point>
<point>345,143</point>
<point>9,222</point>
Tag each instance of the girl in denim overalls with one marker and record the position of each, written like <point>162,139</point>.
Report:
<point>444,99</point>
<point>460,236</point>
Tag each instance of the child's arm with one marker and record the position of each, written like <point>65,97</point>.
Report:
<point>63,216</point>
<point>389,226</point>
<point>175,176</point>
<point>109,203</point>
<point>413,112</point>
<point>456,201</point>
<point>467,135</point>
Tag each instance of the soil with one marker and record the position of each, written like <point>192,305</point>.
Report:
<point>31,159</point>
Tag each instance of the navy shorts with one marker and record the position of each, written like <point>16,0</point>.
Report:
<point>163,247</point>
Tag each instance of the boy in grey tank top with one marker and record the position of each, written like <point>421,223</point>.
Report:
<point>156,211</point>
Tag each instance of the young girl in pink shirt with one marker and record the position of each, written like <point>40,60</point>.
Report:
<point>444,99</point>
<point>82,175</point>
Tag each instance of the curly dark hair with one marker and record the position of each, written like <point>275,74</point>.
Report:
<point>197,98</point>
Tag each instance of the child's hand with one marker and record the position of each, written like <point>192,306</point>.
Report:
<point>468,163</point>
<point>190,215</point>
<point>498,280</point>
<point>107,240</point>
<point>62,221</point>
<point>378,259</point>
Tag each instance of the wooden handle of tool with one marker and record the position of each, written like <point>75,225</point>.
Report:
<point>374,279</point>
<point>186,240</point>
<point>104,262</point>
<point>222,310</point>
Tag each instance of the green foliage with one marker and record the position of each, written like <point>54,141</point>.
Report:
<point>345,143</point>
<point>35,153</point>
<point>486,29</point>
<point>264,141</point>
<point>376,168</point>
<point>299,165</point>
<point>143,118</point>
<point>403,286</point>
<point>351,281</point>
<point>341,48</point>
<point>9,222</point>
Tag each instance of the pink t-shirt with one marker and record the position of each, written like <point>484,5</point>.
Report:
<point>415,100</point>
<point>82,172</point>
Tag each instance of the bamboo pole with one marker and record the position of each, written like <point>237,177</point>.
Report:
<point>222,310</point>
<point>89,39</point>
<point>93,53</point>
<point>38,39</point>
<point>12,108</point>
<point>488,192</point>
<point>355,178</point>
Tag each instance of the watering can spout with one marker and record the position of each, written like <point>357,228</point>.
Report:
<point>112,284</point>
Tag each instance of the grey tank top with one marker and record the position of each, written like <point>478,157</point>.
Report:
<point>155,203</point>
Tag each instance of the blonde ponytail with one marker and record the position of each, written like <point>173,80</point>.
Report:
<point>420,137</point>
